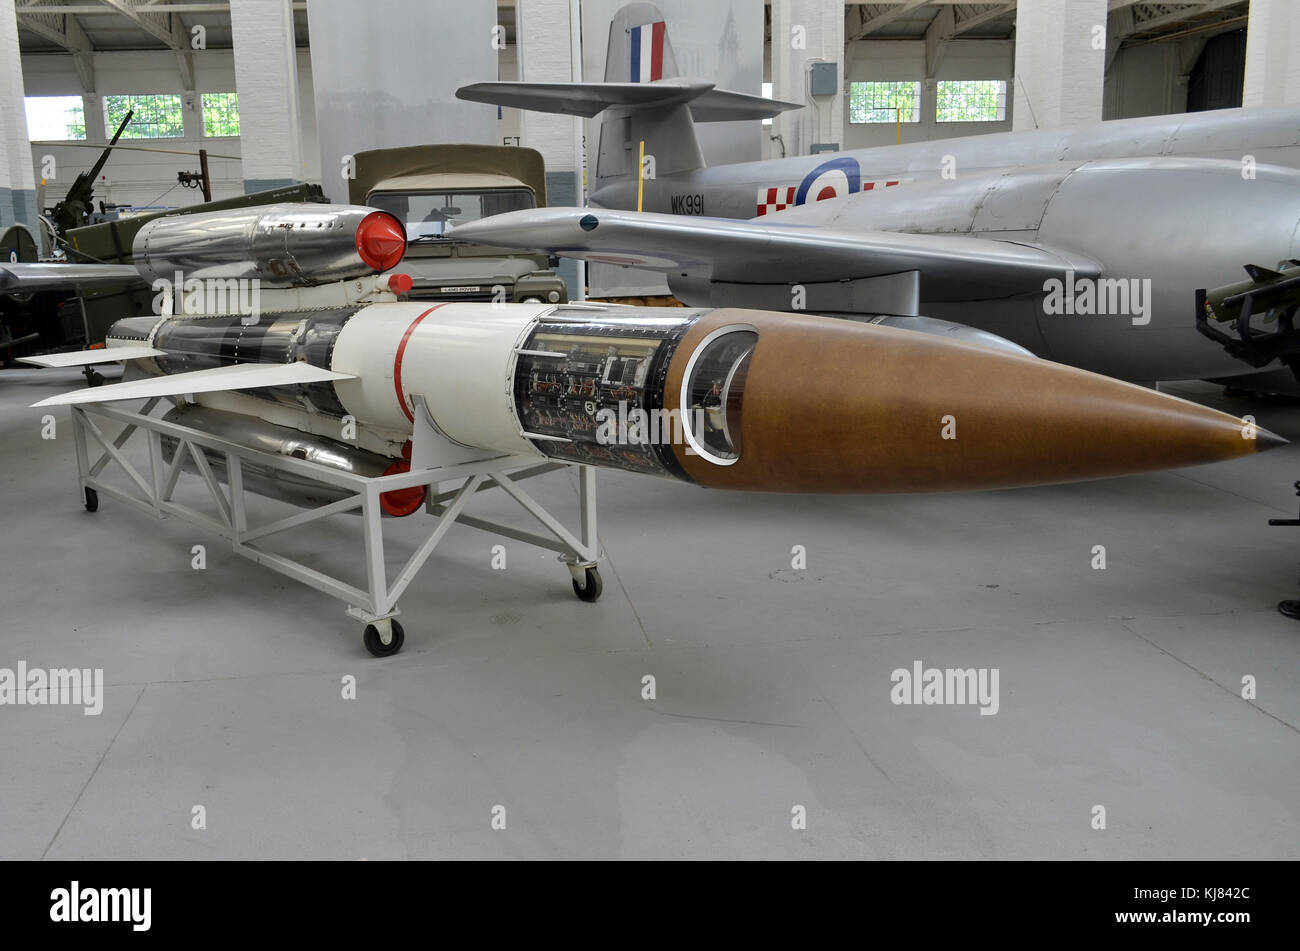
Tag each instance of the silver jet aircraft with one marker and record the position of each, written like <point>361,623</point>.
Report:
<point>1085,245</point>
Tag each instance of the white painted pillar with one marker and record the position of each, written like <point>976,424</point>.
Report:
<point>804,32</point>
<point>1272,62</point>
<point>17,178</point>
<point>266,78</point>
<point>1060,63</point>
<point>544,37</point>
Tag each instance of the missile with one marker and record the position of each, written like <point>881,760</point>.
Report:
<point>724,398</point>
<point>1266,288</point>
<point>292,244</point>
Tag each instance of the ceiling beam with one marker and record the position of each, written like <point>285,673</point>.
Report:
<point>163,26</point>
<point>1137,16</point>
<point>64,30</point>
<point>882,17</point>
<point>978,17</point>
<point>941,29</point>
<point>99,9</point>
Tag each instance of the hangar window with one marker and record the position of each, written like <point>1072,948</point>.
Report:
<point>220,113</point>
<point>885,102</point>
<point>156,117</point>
<point>54,118</point>
<point>972,100</point>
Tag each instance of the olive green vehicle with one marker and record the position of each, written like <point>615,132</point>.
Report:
<point>54,320</point>
<point>431,186</point>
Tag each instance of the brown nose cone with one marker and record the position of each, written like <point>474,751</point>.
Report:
<point>827,405</point>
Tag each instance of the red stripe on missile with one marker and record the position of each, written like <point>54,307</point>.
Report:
<point>397,361</point>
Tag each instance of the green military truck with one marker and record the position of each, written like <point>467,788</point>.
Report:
<point>54,320</point>
<point>431,186</point>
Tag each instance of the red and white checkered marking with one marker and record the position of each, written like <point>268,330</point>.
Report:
<point>781,198</point>
<point>775,199</point>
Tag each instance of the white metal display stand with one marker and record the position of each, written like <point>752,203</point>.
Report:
<point>375,604</point>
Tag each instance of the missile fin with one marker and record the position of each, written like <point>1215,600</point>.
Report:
<point>240,376</point>
<point>81,358</point>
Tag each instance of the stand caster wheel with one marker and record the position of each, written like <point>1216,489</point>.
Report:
<point>591,587</point>
<point>92,500</point>
<point>377,647</point>
<point>1289,609</point>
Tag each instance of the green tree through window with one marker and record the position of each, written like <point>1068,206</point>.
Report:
<point>884,102</point>
<point>220,113</point>
<point>971,100</point>
<point>156,117</point>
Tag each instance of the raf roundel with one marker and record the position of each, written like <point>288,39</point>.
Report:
<point>835,178</point>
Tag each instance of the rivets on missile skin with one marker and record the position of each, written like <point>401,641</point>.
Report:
<point>588,222</point>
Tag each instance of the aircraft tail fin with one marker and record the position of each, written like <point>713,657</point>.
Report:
<point>643,99</point>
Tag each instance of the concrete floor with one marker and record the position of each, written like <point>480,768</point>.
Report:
<point>1119,688</point>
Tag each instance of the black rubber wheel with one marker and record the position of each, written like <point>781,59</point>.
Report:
<point>92,500</point>
<point>1290,609</point>
<point>590,591</point>
<point>377,647</point>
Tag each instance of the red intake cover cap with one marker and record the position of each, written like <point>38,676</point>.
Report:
<point>381,240</point>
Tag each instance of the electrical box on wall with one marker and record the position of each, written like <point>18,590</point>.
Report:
<point>823,78</point>
<point>818,147</point>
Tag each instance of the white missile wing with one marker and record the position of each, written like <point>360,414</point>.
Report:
<point>240,376</point>
<point>82,358</point>
<point>22,278</point>
<point>747,252</point>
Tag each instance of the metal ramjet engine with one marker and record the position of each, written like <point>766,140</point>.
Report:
<point>725,398</point>
<point>281,245</point>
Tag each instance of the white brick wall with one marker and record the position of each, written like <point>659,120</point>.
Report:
<point>543,44</point>
<point>15,169</point>
<point>821,119</point>
<point>1272,64</point>
<point>267,79</point>
<point>1059,73</point>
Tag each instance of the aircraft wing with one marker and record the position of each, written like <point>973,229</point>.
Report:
<point>746,252</point>
<point>589,99</point>
<point>239,376</point>
<point>24,278</point>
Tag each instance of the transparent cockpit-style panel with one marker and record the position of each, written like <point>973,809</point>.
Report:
<point>714,391</point>
<point>427,214</point>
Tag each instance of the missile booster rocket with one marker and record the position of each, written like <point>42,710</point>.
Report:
<point>278,245</point>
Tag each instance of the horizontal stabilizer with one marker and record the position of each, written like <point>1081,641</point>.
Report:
<point>723,105</point>
<point>239,376</point>
<point>25,278</point>
<point>588,99</point>
<point>82,358</point>
<point>750,252</point>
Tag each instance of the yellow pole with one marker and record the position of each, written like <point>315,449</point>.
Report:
<point>898,126</point>
<point>640,174</point>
